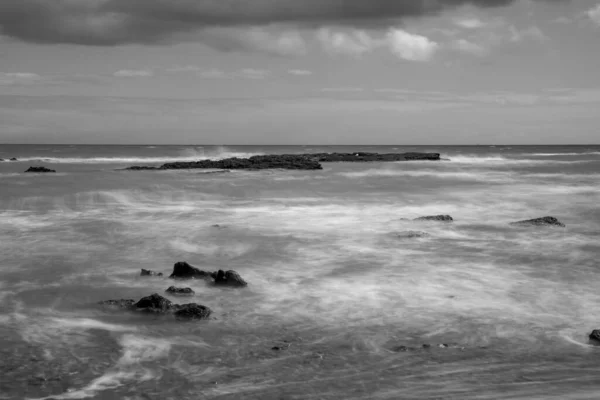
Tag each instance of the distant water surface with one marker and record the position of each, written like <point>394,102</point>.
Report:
<point>334,281</point>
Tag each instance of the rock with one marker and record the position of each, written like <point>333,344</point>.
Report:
<point>290,161</point>
<point>180,291</point>
<point>39,169</point>
<point>147,272</point>
<point>595,336</point>
<point>412,234</point>
<point>544,221</point>
<point>441,218</point>
<point>154,303</point>
<point>370,157</point>
<point>1,159</point>
<point>284,161</point>
<point>399,349</point>
<point>192,311</point>
<point>13,159</point>
<point>229,278</point>
<point>426,346</point>
<point>121,303</point>
<point>183,270</point>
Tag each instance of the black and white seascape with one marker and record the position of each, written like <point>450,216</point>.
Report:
<point>298,199</point>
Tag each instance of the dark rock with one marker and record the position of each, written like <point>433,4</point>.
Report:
<point>441,218</point>
<point>141,168</point>
<point>13,159</point>
<point>229,278</point>
<point>369,157</point>
<point>285,161</point>
<point>426,346</point>
<point>121,303</point>
<point>183,270</point>
<point>595,336</point>
<point>412,234</point>
<point>147,272</point>
<point>401,349</point>
<point>39,169</point>
<point>1,159</point>
<point>544,221</point>
<point>192,311</point>
<point>289,161</point>
<point>180,291</point>
<point>154,303</point>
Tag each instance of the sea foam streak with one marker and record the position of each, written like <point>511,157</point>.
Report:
<point>191,154</point>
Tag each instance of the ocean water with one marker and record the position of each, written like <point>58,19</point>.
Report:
<point>334,281</point>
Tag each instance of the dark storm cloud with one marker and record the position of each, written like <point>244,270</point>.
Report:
<point>113,22</point>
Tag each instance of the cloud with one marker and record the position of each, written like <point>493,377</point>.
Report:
<point>594,14</point>
<point>133,73</point>
<point>184,68</point>
<point>469,23</point>
<point>402,44</point>
<point>299,72</point>
<point>466,46</point>
<point>115,22</point>
<point>283,43</point>
<point>19,78</point>
<point>354,43</point>
<point>411,47</point>
<point>533,32</point>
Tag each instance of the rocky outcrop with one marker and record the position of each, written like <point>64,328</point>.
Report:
<point>289,161</point>
<point>157,304</point>
<point>147,272</point>
<point>595,336</point>
<point>440,218</point>
<point>229,278</point>
<point>285,161</point>
<point>370,157</point>
<point>13,159</point>
<point>39,169</point>
<point>544,221</point>
<point>192,311</point>
<point>154,303</point>
<point>180,291</point>
<point>183,270</point>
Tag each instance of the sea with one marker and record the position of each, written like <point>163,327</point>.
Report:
<point>342,302</point>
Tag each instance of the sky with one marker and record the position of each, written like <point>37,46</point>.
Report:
<point>244,72</point>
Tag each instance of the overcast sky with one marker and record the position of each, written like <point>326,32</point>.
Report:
<point>300,71</point>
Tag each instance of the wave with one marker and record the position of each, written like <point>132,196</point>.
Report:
<point>587,153</point>
<point>191,154</point>
<point>463,159</point>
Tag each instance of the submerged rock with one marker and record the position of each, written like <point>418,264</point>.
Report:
<point>13,159</point>
<point>39,169</point>
<point>121,303</point>
<point>180,291</point>
<point>183,270</point>
<point>441,218</point>
<point>192,311</point>
<point>412,234</point>
<point>229,278</point>
<point>147,272</point>
<point>544,221</point>
<point>154,303</point>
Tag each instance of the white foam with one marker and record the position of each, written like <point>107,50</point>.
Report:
<point>191,154</point>
<point>136,350</point>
